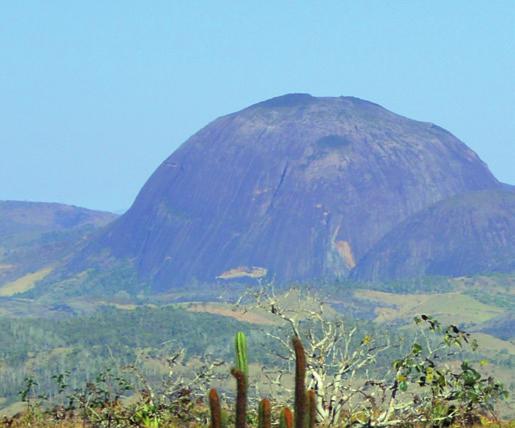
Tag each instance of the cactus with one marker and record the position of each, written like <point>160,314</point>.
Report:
<point>286,418</point>
<point>241,374</point>
<point>264,414</point>
<point>305,403</point>
<point>241,398</point>
<point>300,383</point>
<point>312,409</point>
<point>216,409</point>
<point>242,362</point>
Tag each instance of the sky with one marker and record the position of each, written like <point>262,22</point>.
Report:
<point>94,95</point>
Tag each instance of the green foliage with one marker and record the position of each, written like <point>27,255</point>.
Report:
<point>444,393</point>
<point>504,300</point>
<point>118,277</point>
<point>85,346</point>
<point>146,416</point>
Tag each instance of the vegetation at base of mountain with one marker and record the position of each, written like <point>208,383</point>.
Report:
<point>432,284</point>
<point>108,338</point>
<point>115,338</point>
<point>144,335</point>
<point>24,283</point>
<point>119,280</point>
<point>502,300</point>
<point>428,382</point>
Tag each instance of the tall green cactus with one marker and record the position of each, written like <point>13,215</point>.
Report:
<point>264,414</point>
<point>300,383</point>
<point>242,361</point>
<point>241,374</point>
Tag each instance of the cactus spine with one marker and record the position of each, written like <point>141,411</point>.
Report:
<point>264,414</point>
<point>286,418</point>
<point>216,409</point>
<point>312,409</point>
<point>300,383</point>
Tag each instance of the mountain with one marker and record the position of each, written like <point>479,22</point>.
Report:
<point>467,234</point>
<point>294,188</point>
<point>35,236</point>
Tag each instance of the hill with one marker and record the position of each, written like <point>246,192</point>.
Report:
<point>502,327</point>
<point>465,235</point>
<point>36,236</point>
<point>294,188</point>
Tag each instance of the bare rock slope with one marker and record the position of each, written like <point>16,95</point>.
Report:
<point>295,188</point>
<point>467,234</point>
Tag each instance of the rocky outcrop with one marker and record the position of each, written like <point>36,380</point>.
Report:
<point>464,235</point>
<point>295,187</point>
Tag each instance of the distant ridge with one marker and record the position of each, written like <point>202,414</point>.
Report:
<point>47,216</point>
<point>38,236</point>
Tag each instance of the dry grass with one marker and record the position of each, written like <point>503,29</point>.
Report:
<point>446,307</point>
<point>24,283</point>
<point>244,271</point>
<point>252,317</point>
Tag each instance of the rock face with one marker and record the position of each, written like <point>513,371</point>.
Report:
<point>295,187</point>
<point>467,234</point>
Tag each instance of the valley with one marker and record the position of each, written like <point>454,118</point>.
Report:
<point>96,335</point>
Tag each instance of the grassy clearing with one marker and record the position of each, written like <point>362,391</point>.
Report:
<point>447,307</point>
<point>252,317</point>
<point>122,306</point>
<point>24,283</point>
<point>13,409</point>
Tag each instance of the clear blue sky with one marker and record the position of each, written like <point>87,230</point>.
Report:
<point>95,94</point>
